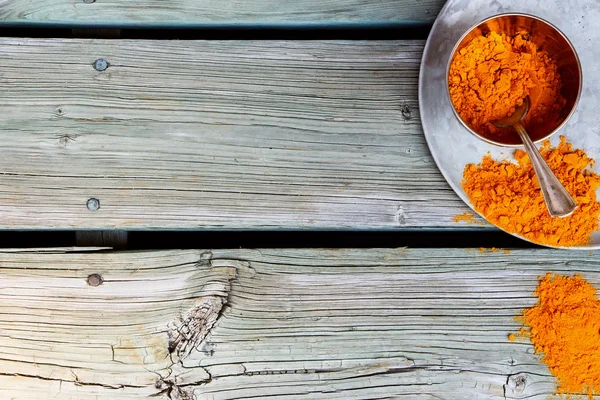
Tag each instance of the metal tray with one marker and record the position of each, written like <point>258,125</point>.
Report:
<point>451,145</point>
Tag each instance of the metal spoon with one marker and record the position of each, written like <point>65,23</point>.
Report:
<point>558,201</point>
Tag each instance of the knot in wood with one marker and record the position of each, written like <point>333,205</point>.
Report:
<point>189,332</point>
<point>517,382</point>
<point>64,140</point>
<point>406,112</point>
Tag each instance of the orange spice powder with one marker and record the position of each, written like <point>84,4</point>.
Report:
<point>508,195</point>
<point>464,217</point>
<point>488,250</point>
<point>492,75</point>
<point>564,326</point>
<point>467,218</point>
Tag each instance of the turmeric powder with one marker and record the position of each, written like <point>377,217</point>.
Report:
<point>492,75</point>
<point>564,325</point>
<point>509,195</point>
<point>468,218</point>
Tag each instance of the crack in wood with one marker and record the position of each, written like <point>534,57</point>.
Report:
<point>75,380</point>
<point>179,393</point>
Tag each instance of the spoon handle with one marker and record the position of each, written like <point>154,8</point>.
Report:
<point>558,200</point>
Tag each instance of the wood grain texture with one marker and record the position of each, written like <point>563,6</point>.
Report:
<point>229,12</point>
<point>185,135</point>
<point>293,324</point>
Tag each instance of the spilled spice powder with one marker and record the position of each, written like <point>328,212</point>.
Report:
<point>564,326</point>
<point>492,75</point>
<point>493,250</point>
<point>464,217</point>
<point>467,217</point>
<point>486,250</point>
<point>509,195</point>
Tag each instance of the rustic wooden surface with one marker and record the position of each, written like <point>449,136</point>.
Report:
<point>305,324</point>
<point>209,134</point>
<point>208,12</point>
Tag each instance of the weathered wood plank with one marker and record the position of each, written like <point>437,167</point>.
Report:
<point>184,135</point>
<point>343,324</point>
<point>207,12</point>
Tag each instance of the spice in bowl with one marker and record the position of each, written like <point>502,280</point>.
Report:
<point>492,74</point>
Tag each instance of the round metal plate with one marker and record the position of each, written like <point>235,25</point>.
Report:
<point>451,145</point>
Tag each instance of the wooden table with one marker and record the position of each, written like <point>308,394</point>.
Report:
<point>155,135</point>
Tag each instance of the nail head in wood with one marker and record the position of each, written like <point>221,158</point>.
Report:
<point>89,1</point>
<point>100,64</point>
<point>93,204</point>
<point>94,280</point>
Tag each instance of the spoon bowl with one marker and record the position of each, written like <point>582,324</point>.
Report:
<point>516,117</point>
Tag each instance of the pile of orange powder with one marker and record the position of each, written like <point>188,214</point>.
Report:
<point>564,326</point>
<point>492,75</point>
<point>509,196</point>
